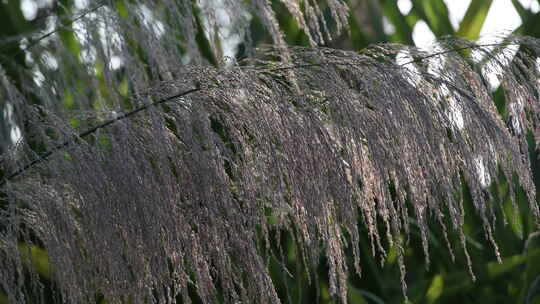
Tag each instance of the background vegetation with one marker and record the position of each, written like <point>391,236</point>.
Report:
<point>515,279</point>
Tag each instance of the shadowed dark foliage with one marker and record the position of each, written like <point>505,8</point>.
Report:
<point>183,200</point>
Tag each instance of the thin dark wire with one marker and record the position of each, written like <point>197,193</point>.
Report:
<point>44,156</point>
<point>469,47</point>
<point>68,142</point>
<point>55,30</point>
<point>533,291</point>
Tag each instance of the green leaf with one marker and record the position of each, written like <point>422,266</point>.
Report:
<point>38,257</point>
<point>364,294</point>
<point>435,289</point>
<point>203,41</point>
<point>530,26</point>
<point>70,41</point>
<point>533,267</point>
<point>522,11</point>
<point>3,298</point>
<point>508,264</point>
<point>403,27</point>
<point>514,218</point>
<point>471,25</point>
<point>121,9</point>
<point>436,15</point>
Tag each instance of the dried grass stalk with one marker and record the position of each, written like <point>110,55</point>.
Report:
<point>188,192</point>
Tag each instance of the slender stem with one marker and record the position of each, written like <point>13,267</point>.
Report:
<point>469,47</point>
<point>70,141</point>
<point>44,156</point>
<point>55,30</point>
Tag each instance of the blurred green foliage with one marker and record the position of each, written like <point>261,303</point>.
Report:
<point>516,279</point>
